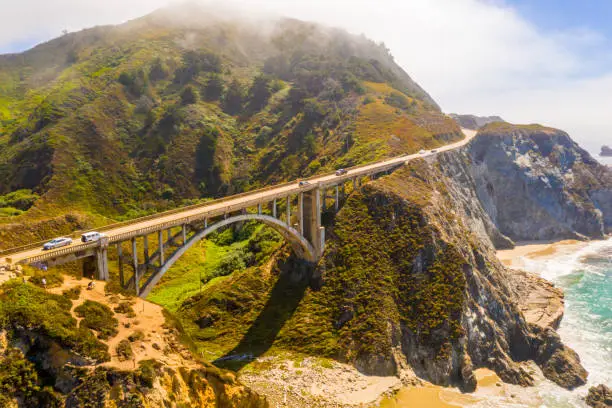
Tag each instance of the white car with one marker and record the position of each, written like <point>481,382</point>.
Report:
<point>422,152</point>
<point>91,236</point>
<point>57,243</point>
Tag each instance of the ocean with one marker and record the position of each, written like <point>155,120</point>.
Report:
<point>585,275</point>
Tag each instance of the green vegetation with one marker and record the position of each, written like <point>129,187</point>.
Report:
<point>98,317</point>
<point>125,308</point>
<point>72,293</point>
<point>116,131</point>
<point>379,239</point>
<point>124,350</point>
<point>33,309</point>
<point>138,335</point>
<point>224,253</point>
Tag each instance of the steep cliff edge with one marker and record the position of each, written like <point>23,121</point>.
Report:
<point>409,285</point>
<point>536,183</point>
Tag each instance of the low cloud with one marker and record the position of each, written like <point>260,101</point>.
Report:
<point>478,57</point>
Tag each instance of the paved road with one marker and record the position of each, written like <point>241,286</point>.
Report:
<point>267,195</point>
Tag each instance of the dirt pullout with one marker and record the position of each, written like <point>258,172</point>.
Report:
<point>151,337</point>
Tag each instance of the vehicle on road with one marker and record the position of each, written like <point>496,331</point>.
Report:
<point>422,152</point>
<point>57,243</point>
<point>91,236</point>
<point>434,151</point>
<point>341,172</point>
<point>303,183</point>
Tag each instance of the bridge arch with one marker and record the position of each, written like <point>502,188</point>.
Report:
<point>300,245</point>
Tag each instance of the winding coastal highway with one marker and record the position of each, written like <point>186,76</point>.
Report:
<point>121,231</point>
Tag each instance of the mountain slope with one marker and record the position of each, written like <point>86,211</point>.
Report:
<point>126,120</point>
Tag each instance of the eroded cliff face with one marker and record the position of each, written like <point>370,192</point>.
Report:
<point>416,283</point>
<point>536,183</point>
<point>410,284</point>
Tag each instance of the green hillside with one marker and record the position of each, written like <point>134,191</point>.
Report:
<point>117,122</point>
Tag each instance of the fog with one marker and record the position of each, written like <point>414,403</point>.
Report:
<point>478,57</point>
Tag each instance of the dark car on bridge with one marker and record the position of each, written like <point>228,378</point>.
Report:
<point>341,172</point>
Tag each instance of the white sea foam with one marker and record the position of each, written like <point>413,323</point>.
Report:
<point>589,333</point>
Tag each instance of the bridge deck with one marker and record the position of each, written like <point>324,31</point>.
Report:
<point>123,231</point>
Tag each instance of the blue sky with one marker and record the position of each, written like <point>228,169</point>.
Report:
<point>561,14</point>
<point>529,61</point>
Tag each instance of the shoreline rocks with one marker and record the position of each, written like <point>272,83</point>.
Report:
<point>599,397</point>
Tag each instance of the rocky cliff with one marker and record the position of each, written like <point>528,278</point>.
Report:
<point>606,151</point>
<point>409,285</point>
<point>536,183</point>
<point>473,122</point>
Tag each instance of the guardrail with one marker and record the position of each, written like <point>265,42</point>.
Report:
<point>189,219</point>
<point>63,251</point>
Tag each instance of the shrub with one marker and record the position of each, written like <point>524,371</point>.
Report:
<point>72,293</point>
<point>98,317</point>
<point>214,88</point>
<point>399,101</point>
<point>138,335</point>
<point>147,372</point>
<point>54,278</point>
<point>368,100</point>
<point>20,199</point>
<point>189,96</point>
<point>234,98</point>
<point>125,308</point>
<point>124,350</point>
<point>48,315</point>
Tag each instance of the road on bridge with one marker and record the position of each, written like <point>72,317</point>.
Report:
<point>267,194</point>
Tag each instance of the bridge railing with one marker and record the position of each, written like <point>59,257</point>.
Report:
<point>186,220</point>
<point>63,251</point>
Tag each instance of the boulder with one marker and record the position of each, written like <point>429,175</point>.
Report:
<point>599,397</point>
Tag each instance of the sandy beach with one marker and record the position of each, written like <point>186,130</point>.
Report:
<point>514,257</point>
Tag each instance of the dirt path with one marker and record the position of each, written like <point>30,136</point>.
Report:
<point>157,340</point>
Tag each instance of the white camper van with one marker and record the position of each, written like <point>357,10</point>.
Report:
<point>91,236</point>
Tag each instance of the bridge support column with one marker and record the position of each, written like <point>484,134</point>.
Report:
<point>146,250</point>
<point>160,236</point>
<point>120,262</point>
<point>324,199</point>
<point>102,260</point>
<point>102,264</point>
<point>289,211</point>
<point>313,231</point>
<point>259,209</point>
<point>354,184</point>
<point>337,202</point>
<point>274,208</point>
<point>301,213</point>
<point>135,264</point>
<point>184,234</point>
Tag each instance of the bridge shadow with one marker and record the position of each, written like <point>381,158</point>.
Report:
<point>282,303</point>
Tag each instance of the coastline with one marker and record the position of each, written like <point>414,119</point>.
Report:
<point>515,257</point>
<point>316,382</point>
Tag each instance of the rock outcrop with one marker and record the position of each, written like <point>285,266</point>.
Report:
<point>599,397</point>
<point>606,151</point>
<point>410,277</point>
<point>473,122</point>
<point>536,183</point>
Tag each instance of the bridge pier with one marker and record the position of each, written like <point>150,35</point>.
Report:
<point>312,229</point>
<point>120,262</point>
<point>146,250</point>
<point>160,236</point>
<point>135,265</point>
